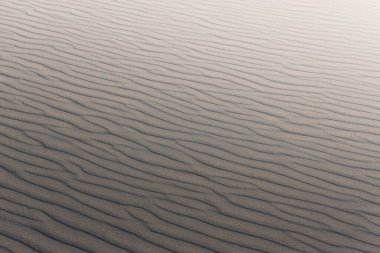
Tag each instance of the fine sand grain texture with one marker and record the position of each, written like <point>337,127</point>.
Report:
<point>189,126</point>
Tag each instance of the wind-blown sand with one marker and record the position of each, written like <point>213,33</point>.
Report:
<point>189,126</point>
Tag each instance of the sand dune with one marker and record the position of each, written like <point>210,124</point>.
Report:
<point>189,126</point>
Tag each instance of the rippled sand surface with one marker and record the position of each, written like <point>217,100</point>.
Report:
<point>189,126</point>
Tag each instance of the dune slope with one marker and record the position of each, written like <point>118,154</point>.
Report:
<point>189,126</point>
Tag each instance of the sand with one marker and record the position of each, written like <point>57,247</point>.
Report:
<point>189,126</point>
